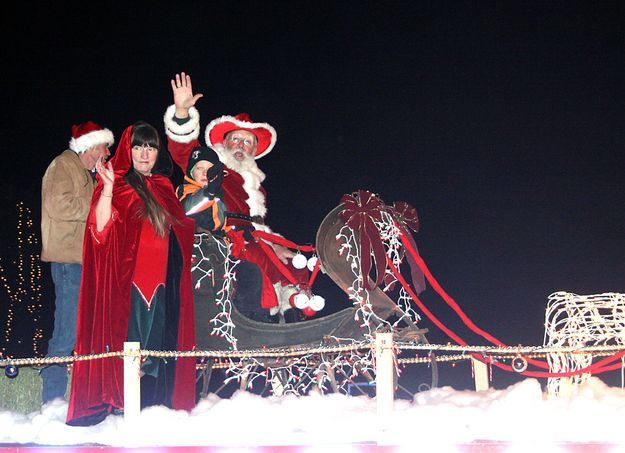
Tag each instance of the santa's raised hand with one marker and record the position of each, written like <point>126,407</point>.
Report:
<point>184,98</point>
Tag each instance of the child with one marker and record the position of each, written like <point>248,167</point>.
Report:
<point>201,193</point>
<point>201,198</point>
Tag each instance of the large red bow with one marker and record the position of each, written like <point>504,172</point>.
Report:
<point>360,212</point>
<point>405,215</point>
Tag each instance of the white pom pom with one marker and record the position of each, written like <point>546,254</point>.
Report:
<point>317,303</point>
<point>312,262</point>
<point>301,301</point>
<point>299,261</point>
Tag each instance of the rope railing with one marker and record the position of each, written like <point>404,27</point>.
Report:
<point>495,352</point>
<point>387,359</point>
<point>513,350</point>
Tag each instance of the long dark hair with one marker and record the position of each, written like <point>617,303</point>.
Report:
<point>145,134</point>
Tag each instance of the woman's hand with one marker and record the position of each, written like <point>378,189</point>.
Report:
<point>184,98</point>
<point>107,175</point>
<point>103,207</point>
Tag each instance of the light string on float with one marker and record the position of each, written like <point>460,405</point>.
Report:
<point>222,324</point>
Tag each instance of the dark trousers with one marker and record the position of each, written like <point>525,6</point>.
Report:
<point>248,291</point>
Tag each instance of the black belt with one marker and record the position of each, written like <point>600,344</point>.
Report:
<point>254,218</point>
<point>200,237</point>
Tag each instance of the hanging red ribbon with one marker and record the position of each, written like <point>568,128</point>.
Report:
<point>315,271</point>
<point>596,368</point>
<point>276,239</point>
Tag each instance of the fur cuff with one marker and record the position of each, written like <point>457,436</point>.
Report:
<point>182,133</point>
<point>284,293</point>
<point>264,228</point>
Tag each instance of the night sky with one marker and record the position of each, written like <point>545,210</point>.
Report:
<point>502,123</point>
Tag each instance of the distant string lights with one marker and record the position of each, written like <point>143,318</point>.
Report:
<point>21,280</point>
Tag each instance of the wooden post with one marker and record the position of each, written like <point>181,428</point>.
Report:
<point>384,373</point>
<point>480,374</point>
<point>132,381</point>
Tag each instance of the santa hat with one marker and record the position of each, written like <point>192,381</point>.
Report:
<point>219,127</point>
<point>88,134</point>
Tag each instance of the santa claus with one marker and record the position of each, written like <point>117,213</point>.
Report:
<point>239,142</point>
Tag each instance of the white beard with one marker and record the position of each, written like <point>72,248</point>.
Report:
<point>252,177</point>
<point>227,158</point>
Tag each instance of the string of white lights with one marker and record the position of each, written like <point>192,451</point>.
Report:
<point>205,266</point>
<point>348,248</point>
<point>21,280</point>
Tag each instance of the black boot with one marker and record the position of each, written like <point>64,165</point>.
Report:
<point>274,319</point>
<point>291,315</point>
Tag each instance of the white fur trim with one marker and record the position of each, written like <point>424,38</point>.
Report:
<point>283,293</point>
<point>84,142</point>
<point>182,133</point>
<point>260,227</point>
<point>255,198</point>
<point>243,125</point>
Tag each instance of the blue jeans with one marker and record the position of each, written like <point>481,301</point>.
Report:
<point>66,279</point>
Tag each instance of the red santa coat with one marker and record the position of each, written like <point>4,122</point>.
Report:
<point>244,195</point>
<point>109,259</point>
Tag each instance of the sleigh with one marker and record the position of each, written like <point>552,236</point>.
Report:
<point>220,326</point>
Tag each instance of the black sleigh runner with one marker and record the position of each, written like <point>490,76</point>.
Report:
<point>361,245</point>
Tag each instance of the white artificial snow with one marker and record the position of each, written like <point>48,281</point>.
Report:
<point>521,414</point>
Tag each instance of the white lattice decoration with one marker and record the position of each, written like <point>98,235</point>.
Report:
<point>574,320</point>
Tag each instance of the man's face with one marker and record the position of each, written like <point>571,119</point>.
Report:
<point>91,156</point>
<point>144,158</point>
<point>242,144</point>
<point>199,171</point>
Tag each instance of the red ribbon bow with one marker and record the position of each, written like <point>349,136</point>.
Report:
<point>360,212</point>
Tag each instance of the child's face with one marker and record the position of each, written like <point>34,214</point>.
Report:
<point>199,171</point>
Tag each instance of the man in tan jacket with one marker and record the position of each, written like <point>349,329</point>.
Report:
<point>66,191</point>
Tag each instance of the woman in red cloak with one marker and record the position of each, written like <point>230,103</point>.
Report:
<point>136,283</point>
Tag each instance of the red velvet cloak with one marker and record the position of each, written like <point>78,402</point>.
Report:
<point>104,302</point>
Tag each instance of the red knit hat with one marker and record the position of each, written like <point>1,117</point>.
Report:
<point>88,134</point>
<point>219,127</point>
